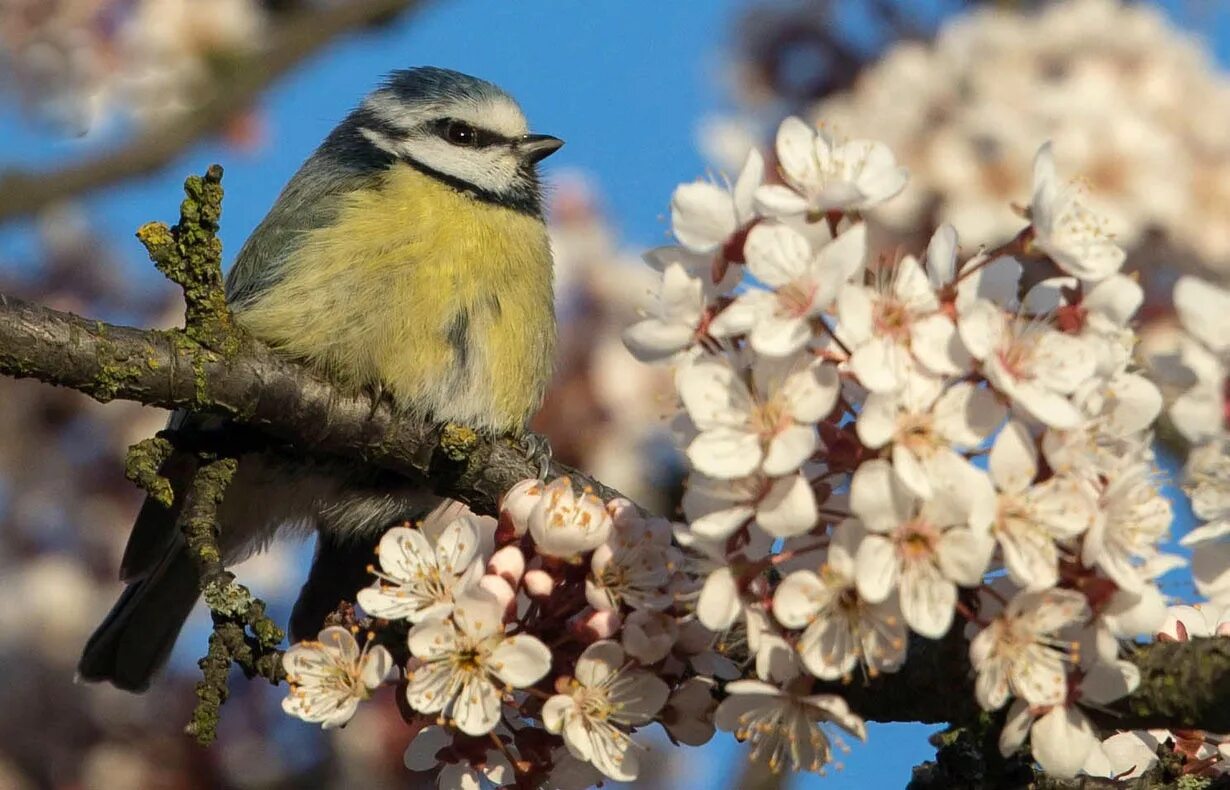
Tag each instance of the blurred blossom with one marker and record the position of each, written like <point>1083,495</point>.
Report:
<point>1132,104</point>
<point>77,62</point>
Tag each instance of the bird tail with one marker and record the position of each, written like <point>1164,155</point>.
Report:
<point>136,638</point>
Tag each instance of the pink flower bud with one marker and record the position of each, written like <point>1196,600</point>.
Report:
<point>519,501</point>
<point>502,590</point>
<point>509,564</point>
<point>538,583</point>
<point>590,626</point>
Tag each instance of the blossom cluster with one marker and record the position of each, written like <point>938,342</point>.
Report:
<point>78,61</point>
<point>1113,83</point>
<point>884,449</point>
<point>531,647</point>
<point>874,438</point>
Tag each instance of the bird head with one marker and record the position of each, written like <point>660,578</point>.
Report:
<point>458,128</point>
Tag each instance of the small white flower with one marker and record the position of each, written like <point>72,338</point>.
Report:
<point>782,507</point>
<point>801,284</point>
<point>923,547</point>
<point>463,657</point>
<point>1018,652</point>
<point>688,715</point>
<point>785,729</point>
<point>842,630</point>
<point>1065,229</point>
<point>421,754</point>
<point>1030,519</point>
<point>329,676</point>
<point>1028,361</point>
<point>1125,542</point>
<point>823,175</point>
<point>1061,737</point>
<point>417,580</point>
<point>705,216</point>
<point>1208,485</point>
<point>564,524</point>
<point>604,700</point>
<point>769,426</point>
<point>681,306</point>
<point>632,568</point>
<point>1204,310</point>
<point>893,322</point>
<point>926,425</point>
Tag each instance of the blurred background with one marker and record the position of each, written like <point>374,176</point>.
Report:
<point>105,106</point>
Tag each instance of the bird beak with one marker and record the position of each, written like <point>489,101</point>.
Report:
<point>537,147</point>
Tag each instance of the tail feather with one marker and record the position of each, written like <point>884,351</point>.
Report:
<point>136,638</point>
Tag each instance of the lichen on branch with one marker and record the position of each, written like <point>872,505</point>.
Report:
<point>190,255</point>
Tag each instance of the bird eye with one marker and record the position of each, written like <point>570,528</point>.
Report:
<point>459,133</point>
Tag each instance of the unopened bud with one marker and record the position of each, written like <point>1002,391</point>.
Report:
<point>509,564</point>
<point>538,583</point>
<point>519,501</point>
<point>502,591</point>
<point>590,626</point>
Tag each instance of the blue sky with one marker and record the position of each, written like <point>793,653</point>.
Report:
<point>624,82</point>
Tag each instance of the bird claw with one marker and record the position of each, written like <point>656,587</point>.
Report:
<point>538,448</point>
<point>377,394</point>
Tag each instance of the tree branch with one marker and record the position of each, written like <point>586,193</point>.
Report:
<point>1183,684</point>
<point>260,389</point>
<point>237,85</point>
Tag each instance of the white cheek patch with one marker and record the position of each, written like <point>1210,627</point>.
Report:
<point>491,169</point>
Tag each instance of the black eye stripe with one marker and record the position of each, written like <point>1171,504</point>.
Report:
<point>467,135</point>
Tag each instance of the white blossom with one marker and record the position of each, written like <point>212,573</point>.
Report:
<point>823,175</point>
<point>892,323</point>
<point>681,306</point>
<point>603,701</point>
<point>565,524</point>
<point>785,729</point>
<point>1204,310</point>
<point>841,629</point>
<point>1065,229</point>
<point>1029,362</point>
<point>1019,654</point>
<point>418,580</point>
<point>782,506</point>
<point>924,548</point>
<point>800,283</point>
<point>421,755</point>
<point>688,715</point>
<point>632,568</point>
<point>1124,542</point>
<point>1032,519</point>
<point>705,216</point>
<point>768,426</point>
<point>330,675</point>
<point>464,656</point>
<point>927,425</point>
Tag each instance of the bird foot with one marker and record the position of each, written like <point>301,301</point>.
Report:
<point>538,449</point>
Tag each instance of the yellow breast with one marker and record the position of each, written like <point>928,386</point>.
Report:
<point>443,299</point>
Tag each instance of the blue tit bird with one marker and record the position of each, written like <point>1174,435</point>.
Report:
<point>407,256</point>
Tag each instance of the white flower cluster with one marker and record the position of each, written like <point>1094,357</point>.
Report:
<point>77,61</point>
<point>1113,83</point>
<point>881,450</point>
<point>478,603</point>
<point>871,440</point>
